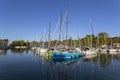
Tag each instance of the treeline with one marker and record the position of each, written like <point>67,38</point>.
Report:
<point>20,43</point>
<point>4,42</point>
<point>89,40</point>
<point>96,41</point>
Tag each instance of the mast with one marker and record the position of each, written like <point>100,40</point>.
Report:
<point>111,42</point>
<point>91,28</point>
<point>43,40</point>
<point>79,39</point>
<point>105,39</point>
<point>97,45</point>
<point>49,31</point>
<point>67,15</point>
<point>49,34</point>
<point>60,27</point>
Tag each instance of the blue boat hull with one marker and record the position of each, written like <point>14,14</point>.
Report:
<point>66,55</point>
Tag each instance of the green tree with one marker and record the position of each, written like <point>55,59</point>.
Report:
<point>103,36</point>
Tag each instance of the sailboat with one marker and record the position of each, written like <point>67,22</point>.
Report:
<point>65,54</point>
<point>105,49</point>
<point>42,50</point>
<point>112,50</point>
<point>91,50</point>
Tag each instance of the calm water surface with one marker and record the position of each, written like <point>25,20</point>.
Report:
<point>26,65</point>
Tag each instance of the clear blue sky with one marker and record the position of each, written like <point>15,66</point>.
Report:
<point>27,19</point>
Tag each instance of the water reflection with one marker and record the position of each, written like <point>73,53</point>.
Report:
<point>3,52</point>
<point>91,59</point>
<point>65,61</point>
<point>19,51</point>
<point>34,67</point>
<point>14,51</point>
<point>105,59</point>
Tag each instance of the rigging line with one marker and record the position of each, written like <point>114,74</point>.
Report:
<point>64,21</point>
<point>56,28</point>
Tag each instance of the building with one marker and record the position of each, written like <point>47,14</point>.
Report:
<point>117,45</point>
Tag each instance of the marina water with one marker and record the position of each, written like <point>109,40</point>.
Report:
<point>26,65</point>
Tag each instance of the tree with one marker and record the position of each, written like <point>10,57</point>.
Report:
<point>4,42</point>
<point>18,43</point>
<point>103,36</point>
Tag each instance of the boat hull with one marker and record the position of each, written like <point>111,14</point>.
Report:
<point>66,55</point>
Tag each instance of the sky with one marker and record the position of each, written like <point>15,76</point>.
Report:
<point>29,19</point>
